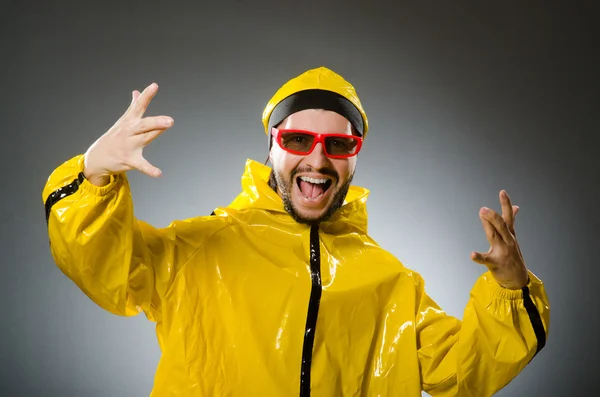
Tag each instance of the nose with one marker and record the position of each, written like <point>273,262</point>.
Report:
<point>317,159</point>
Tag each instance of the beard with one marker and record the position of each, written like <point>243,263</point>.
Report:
<point>276,180</point>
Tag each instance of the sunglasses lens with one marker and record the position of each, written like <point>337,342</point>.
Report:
<point>338,146</point>
<point>297,141</point>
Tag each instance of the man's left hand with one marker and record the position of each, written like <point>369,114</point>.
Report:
<point>504,258</point>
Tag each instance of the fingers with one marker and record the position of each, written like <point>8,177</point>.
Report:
<point>140,105</point>
<point>153,123</point>
<point>515,209</point>
<point>149,136</point>
<point>507,212</point>
<point>490,231</point>
<point>134,96</point>
<point>144,166</point>
<point>500,226</point>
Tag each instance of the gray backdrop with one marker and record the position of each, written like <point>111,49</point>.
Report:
<point>463,99</point>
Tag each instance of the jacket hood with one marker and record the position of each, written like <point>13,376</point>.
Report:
<point>257,194</point>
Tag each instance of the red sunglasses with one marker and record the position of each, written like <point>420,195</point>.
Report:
<point>301,142</point>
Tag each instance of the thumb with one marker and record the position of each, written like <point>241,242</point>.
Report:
<point>479,257</point>
<point>145,167</point>
<point>483,258</point>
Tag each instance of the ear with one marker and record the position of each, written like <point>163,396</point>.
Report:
<point>272,149</point>
<point>270,157</point>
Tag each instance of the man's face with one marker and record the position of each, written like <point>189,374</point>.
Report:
<point>306,201</point>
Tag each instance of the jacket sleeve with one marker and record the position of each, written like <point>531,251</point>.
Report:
<point>124,265</point>
<point>501,331</point>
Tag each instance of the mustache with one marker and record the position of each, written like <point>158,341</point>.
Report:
<point>325,171</point>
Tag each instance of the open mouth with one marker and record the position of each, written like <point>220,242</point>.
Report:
<point>313,188</point>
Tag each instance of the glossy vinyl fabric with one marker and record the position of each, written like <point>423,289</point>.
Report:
<point>232,294</point>
<point>320,78</point>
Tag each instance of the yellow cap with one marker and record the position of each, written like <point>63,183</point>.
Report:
<point>320,78</point>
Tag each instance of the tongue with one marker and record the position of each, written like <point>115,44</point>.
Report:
<point>311,190</point>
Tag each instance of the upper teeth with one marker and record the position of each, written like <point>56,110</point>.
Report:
<point>313,180</point>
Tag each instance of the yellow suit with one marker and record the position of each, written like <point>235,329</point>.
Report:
<point>247,302</point>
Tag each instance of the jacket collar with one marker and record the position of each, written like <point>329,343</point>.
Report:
<point>257,194</point>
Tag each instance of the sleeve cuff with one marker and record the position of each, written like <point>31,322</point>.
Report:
<point>487,288</point>
<point>88,187</point>
<point>512,294</point>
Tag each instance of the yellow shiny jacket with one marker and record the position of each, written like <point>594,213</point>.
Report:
<point>247,302</point>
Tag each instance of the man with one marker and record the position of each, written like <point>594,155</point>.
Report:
<point>283,293</point>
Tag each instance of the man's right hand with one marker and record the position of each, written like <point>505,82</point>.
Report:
<point>120,148</point>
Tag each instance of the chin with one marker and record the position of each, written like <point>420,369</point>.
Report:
<point>310,216</point>
<point>308,210</point>
<point>311,209</point>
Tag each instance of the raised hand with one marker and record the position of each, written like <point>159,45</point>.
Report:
<point>504,258</point>
<point>120,148</point>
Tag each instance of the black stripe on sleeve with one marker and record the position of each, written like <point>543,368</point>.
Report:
<point>536,320</point>
<point>63,192</point>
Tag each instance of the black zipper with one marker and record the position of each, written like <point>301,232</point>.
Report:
<point>313,311</point>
